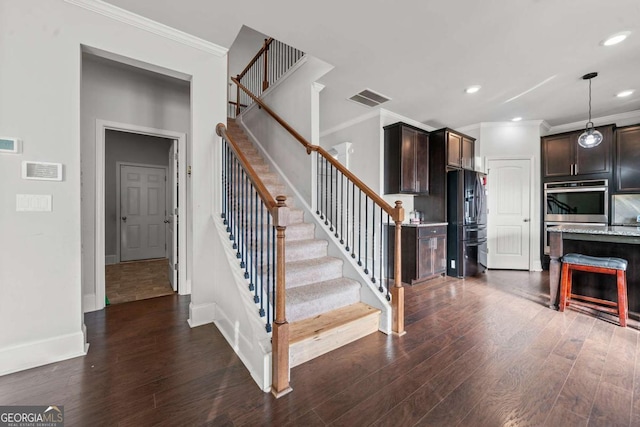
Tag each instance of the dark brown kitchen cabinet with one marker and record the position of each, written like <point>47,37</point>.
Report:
<point>628,159</point>
<point>424,252</point>
<point>563,157</point>
<point>406,159</point>
<point>459,148</point>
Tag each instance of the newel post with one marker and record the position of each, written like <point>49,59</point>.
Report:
<point>280,335</point>
<point>238,97</point>
<point>397,292</point>
<point>265,82</point>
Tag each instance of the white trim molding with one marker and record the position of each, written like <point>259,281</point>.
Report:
<point>130,18</point>
<point>377,112</point>
<point>201,314</point>
<point>622,119</point>
<point>102,126</point>
<point>42,352</point>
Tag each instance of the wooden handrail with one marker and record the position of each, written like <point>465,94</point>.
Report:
<point>265,195</point>
<point>277,118</point>
<point>393,212</point>
<point>264,47</point>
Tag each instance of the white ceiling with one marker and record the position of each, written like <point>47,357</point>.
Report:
<point>528,55</point>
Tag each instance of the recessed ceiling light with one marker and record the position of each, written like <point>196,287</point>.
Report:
<point>615,38</point>
<point>624,93</point>
<point>473,89</point>
<point>516,119</point>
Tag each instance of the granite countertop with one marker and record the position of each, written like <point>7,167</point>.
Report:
<point>424,224</point>
<point>610,230</point>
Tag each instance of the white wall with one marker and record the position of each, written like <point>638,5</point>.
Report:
<point>129,148</point>
<point>522,139</point>
<point>291,99</point>
<point>123,94</point>
<point>366,135</point>
<point>40,254</point>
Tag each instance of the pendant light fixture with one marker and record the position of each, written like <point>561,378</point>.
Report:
<point>590,137</point>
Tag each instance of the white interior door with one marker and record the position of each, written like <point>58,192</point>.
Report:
<point>142,212</point>
<point>509,215</point>
<point>172,216</point>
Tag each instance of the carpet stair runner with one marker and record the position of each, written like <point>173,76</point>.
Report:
<point>323,306</point>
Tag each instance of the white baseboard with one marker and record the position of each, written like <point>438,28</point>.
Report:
<point>110,259</point>
<point>43,352</point>
<point>537,266</point>
<point>89,303</point>
<point>201,314</point>
<point>256,358</point>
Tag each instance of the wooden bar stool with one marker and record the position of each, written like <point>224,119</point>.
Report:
<point>606,265</point>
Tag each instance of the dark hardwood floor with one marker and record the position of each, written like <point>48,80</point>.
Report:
<point>478,352</point>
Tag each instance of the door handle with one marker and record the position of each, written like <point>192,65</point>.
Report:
<point>124,218</point>
<point>526,220</point>
<point>166,221</point>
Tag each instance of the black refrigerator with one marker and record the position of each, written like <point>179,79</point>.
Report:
<point>467,218</point>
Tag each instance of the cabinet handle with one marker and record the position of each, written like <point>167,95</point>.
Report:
<point>575,169</point>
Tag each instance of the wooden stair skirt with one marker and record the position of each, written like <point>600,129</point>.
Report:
<point>315,336</point>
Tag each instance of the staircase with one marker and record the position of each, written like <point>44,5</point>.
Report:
<point>323,307</point>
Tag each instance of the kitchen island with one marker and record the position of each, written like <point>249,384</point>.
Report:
<point>610,241</point>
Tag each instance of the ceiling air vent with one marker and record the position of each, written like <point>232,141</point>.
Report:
<point>369,98</point>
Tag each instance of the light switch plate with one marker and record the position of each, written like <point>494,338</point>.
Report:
<point>638,218</point>
<point>33,202</point>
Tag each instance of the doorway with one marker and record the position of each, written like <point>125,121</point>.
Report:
<point>176,248</point>
<point>509,217</point>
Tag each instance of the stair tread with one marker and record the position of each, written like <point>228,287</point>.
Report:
<point>315,326</point>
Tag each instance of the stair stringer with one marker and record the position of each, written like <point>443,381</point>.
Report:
<point>369,293</point>
<point>238,320</point>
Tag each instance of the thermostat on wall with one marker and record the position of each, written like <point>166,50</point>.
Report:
<point>9,145</point>
<point>43,171</point>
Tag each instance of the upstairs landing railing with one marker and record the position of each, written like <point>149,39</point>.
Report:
<point>271,62</point>
<point>362,222</point>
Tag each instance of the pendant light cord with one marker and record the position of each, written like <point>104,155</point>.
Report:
<point>590,122</point>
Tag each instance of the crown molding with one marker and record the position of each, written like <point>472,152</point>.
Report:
<point>406,120</point>
<point>378,112</point>
<point>317,86</point>
<point>511,124</point>
<point>130,18</point>
<point>622,119</point>
<point>470,128</point>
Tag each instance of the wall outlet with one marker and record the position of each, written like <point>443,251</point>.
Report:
<point>453,263</point>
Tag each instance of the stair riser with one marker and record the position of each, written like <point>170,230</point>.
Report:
<point>304,351</point>
<point>313,273</point>
<point>313,249</point>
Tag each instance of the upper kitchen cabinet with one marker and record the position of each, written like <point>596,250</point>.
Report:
<point>459,147</point>
<point>406,159</point>
<point>563,157</point>
<point>628,159</point>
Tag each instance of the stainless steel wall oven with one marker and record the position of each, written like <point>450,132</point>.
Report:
<point>577,201</point>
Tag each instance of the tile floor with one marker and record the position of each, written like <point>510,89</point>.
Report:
<point>137,280</point>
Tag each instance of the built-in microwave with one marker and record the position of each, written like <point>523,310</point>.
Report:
<point>577,201</point>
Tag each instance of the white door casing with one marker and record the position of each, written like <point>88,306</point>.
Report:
<point>509,218</point>
<point>142,212</point>
<point>172,215</point>
<point>97,301</point>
